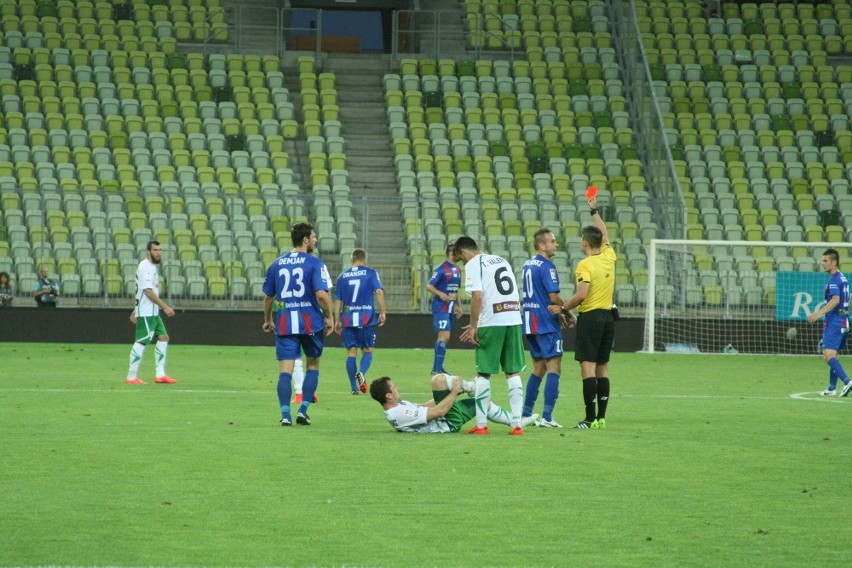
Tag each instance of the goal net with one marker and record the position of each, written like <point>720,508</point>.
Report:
<point>736,296</point>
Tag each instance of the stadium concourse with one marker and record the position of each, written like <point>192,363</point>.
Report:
<point>123,122</point>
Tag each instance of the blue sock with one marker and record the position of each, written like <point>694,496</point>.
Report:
<point>366,361</point>
<point>551,393</point>
<point>835,366</point>
<point>832,379</point>
<point>440,353</point>
<point>285,390</point>
<point>309,387</point>
<point>351,369</point>
<point>531,394</point>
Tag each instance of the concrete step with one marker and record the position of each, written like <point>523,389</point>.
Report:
<point>368,78</point>
<point>359,96</point>
<point>371,163</point>
<point>356,109</point>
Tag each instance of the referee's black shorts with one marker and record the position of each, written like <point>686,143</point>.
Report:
<point>595,334</point>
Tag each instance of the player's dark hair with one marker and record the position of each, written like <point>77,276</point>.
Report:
<point>299,232</point>
<point>464,243</point>
<point>379,389</point>
<point>359,255</point>
<point>540,235</point>
<point>593,236</point>
<point>450,248</point>
<point>151,244</point>
<point>833,255</point>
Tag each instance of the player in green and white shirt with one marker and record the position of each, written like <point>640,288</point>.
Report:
<point>146,316</point>
<point>443,414</point>
<point>495,328</point>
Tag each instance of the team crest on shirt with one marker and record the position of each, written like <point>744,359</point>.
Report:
<point>411,412</point>
<point>553,274</point>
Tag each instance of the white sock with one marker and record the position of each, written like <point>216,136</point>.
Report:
<point>298,376</point>
<point>516,398</point>
<point>468,387</point>
<point>160,357</point>
<point>136,353</point>
<point>482,394</point>
<point>499,415</point>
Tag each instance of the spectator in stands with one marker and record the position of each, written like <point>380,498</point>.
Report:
<point>6,293</point>
<point>46,290</point>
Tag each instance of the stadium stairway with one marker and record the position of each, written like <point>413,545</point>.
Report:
<point>371,170</point>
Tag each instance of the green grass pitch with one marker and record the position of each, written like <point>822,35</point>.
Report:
<point>707,461</point>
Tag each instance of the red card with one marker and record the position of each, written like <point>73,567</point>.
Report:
<point>591,192</point>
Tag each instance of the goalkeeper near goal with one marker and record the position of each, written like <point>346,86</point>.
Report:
<point>595,277</point>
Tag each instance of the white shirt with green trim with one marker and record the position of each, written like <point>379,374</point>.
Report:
<point>493,276</point>
<point>147,277</point>
<point>408,417</point>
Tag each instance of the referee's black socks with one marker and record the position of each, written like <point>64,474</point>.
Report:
<point>590,391</point>
<point>603,395</point>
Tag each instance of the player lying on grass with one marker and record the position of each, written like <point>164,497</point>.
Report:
<point>441,415</point>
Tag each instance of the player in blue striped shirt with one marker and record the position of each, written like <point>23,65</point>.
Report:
<point>542,328</point>
<point>836,328</point>
<point>356,316</point>
<point>444,286</point>
<point>298,309</point>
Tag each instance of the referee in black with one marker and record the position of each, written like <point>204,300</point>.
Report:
<point>596,319</point>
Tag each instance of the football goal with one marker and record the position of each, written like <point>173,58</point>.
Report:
<point>736,296</point>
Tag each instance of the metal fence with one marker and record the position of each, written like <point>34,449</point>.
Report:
<point>216,246</point>
<point>436,34</point>
<point>646,114</point>
<point>263,29</point>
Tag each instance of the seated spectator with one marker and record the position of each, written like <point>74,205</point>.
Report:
<point>46,290</point>
<point>6,294</point>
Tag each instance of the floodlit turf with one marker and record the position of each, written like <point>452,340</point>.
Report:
<point>707,461</point>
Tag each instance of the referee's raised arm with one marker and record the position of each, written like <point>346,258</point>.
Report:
<point>596,217</point>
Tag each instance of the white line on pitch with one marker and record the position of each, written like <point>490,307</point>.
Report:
<point>796,396</point>
<point>818,397</point>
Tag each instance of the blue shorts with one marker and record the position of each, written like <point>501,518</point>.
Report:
<point>362,337</point>
<point>442,321</point>
<point>834,338</point>
<point>545,345</point>
<point>290,347</point>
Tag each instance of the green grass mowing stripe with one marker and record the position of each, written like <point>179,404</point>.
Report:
<point>123,477</point>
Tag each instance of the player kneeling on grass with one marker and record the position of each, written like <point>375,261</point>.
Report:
<point>441,415</point>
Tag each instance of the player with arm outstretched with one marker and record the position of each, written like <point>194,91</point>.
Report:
<point>595,276</point>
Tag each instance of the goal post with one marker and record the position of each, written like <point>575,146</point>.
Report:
<point>719,296</point>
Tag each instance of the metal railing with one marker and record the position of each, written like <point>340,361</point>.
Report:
<point>429,33</point>
<point>661,177</point>
<point>260,28</point>
<point>216,247</point>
